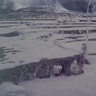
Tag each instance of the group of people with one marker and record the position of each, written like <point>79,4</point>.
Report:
<point>74,69</point>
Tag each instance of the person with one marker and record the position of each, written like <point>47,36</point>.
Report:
<point>85,54</point>
<point>75,68</point>
<point>84,48</point>
<point>57,70</point>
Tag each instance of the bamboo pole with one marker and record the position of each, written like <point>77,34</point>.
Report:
<point>88,22</point>
<point>85,45</point>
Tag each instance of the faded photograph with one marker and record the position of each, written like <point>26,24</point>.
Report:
<point>47,47</point>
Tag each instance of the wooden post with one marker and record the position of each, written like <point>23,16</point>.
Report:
<point>88,23</point>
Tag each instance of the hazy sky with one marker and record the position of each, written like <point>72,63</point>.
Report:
<point>25,3</point>
<point>20,3</point>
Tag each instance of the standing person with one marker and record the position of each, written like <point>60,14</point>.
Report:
<point>84,49</point>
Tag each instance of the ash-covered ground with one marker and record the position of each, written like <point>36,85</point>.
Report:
<point>25,43</point>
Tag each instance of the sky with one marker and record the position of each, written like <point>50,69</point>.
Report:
<point>25,3</point>
<point>20,3</point>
